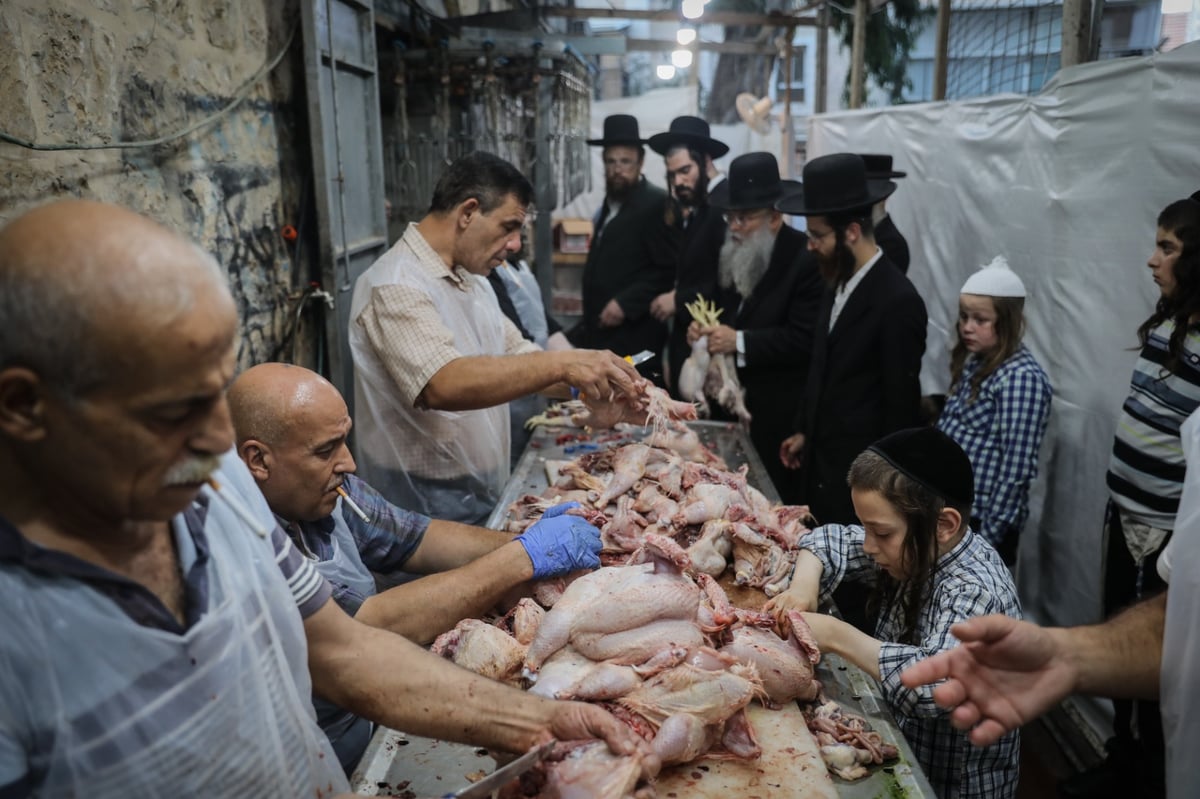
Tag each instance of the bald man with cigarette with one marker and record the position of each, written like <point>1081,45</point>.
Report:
<point>291,427</point>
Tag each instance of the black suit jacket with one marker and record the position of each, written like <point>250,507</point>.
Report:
<point>863,383</point>
<point>633,261</point>
<point>893,244</point>
<point>695,275</point>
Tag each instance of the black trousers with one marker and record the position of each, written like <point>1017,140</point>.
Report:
<point>1137,725</point>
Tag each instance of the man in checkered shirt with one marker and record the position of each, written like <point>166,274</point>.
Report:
<point>913,491</point>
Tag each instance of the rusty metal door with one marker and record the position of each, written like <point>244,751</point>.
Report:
<point>347,152</point>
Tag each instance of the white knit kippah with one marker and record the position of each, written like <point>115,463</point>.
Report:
<point>995,280</point>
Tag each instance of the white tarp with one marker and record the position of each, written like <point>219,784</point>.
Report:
<point>1067,185</point>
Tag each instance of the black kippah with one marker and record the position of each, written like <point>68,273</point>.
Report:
<point>933,459</point>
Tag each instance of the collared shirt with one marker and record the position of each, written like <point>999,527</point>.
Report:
<point>1145,473</point>
<point>406,328</point>
<point>141,605</point>
<point>969,580</point>
<point>842,295</point>
<point>385,543</point>
<point>1001,431</point>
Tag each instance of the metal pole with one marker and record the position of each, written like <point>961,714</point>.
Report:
<point>545,198</point>
<point>858,53</point>
<point>942,49</point>
<point>822,58</point>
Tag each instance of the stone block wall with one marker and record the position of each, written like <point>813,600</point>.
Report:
<point>105,71</point>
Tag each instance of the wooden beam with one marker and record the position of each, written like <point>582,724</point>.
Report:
<point>858,54</point>
<point>822,59</point>
<point>743,19</point>
<point>733,48</point>
<point>941,53</point>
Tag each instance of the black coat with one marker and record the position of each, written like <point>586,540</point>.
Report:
<point>863,383</point>
<point>632,261</point>
<point>893,244</point>
<point>777,322</point>
<point>695,275</point>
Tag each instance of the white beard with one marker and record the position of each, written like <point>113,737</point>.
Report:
<point>741,266</point>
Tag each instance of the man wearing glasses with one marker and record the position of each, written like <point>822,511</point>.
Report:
<point>770,289</point>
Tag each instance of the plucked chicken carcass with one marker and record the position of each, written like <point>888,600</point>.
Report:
<point>786,667</point>
<point>482,648</point>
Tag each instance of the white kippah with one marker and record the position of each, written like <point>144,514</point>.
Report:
<point>995,280</point>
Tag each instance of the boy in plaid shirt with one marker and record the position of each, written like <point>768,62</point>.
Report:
<point>913,492</point>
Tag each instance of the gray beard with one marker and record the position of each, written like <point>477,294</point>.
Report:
<point>741,266</point>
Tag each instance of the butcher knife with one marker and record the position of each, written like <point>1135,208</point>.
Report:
<point>503,775</point>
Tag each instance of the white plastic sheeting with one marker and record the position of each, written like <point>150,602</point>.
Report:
<point>1067,186</point>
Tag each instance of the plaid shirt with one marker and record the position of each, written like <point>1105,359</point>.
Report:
<point>1001,432</point>
<point>969,580</point>
<point>385,543</point>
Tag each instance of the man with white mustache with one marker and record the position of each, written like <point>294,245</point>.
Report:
<point>291,427</point>
<point>770,291</point>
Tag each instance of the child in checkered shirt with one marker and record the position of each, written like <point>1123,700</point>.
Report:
<point>999,403</point>
<point>927,570</point>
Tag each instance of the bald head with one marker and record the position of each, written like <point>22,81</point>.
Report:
<point>268,401</point>
<point>96,277</point>
<point>291,427</point>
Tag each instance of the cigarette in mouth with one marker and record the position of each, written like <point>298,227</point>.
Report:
<point>238,508</point>
<point>357,510</point>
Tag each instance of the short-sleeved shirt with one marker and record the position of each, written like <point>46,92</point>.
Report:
<point>969,580</point>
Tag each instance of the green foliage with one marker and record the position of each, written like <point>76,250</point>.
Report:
<point>891,34</point>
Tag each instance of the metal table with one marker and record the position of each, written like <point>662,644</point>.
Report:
<point>408,766</point>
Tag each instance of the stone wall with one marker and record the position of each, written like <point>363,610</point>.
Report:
<point>105,71</point>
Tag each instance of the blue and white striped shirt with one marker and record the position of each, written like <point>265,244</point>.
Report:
<point>1145,473</point>
<point>970,580</point>
<point>1001,431</point>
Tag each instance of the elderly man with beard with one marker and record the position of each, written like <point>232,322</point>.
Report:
<point>689,150</point>
<point>870,335</point>
<point>632,257</point>
<point>770,289</point>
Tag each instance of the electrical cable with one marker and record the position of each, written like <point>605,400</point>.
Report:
<point>238,98</point>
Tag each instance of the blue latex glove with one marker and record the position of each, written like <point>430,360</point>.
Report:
<point>560,509</point>
<point>560,544</point>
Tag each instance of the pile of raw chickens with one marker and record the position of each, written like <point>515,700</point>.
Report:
<point>652,635</point>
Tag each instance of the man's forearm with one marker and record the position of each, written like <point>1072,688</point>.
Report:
<point>1121,657</point>
<point>483,381</point>
<point>423,609</point>
<point>393,682</point>
<point>448,545</point>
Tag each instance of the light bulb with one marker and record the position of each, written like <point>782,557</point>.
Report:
<point>664,71</point>
<point>685,36</point>
<point>681,58</point>
<point>692,9</point>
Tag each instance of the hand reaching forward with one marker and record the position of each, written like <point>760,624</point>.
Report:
<point>1004,674</point>
<point>572,721</point>
<point>600,375</point>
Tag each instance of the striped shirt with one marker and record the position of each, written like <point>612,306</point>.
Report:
<point>1145,473</point>
<point>969,580</point>
<point>1001,431</point>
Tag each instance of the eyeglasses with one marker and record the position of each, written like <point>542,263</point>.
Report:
<point>739,219</point>
<point>815,238</point>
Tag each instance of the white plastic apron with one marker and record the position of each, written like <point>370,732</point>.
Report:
<point>1180,562</point>
<point>526,296</point>
<point>448,464</point>
<point>121,710</point>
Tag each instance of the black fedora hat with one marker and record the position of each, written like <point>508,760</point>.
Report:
<point>835,183</point>
<point>879,167</point>
<point>753,182</point>
<point>619,129</point>
<point>690,131</point>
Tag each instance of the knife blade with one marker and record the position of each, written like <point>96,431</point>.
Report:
<point>640,357</point>
<point>501,776</point>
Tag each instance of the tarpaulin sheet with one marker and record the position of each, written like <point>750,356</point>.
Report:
<point>1067,185</point>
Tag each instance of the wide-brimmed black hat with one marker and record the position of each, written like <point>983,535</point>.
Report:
<point>619,129</point>
<point>835,183</point>
<point>933,459</point>
<point>753,182</point>
<point>690,131</point>
<point>879,167</point>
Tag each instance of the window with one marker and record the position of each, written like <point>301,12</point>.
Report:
<point>797,77</point>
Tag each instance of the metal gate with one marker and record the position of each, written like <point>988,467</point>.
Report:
<point>347,152</point>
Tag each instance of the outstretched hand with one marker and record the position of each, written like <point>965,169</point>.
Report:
<point>600,375</point>
<point>573,721</point>
<point>1004,674</point>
